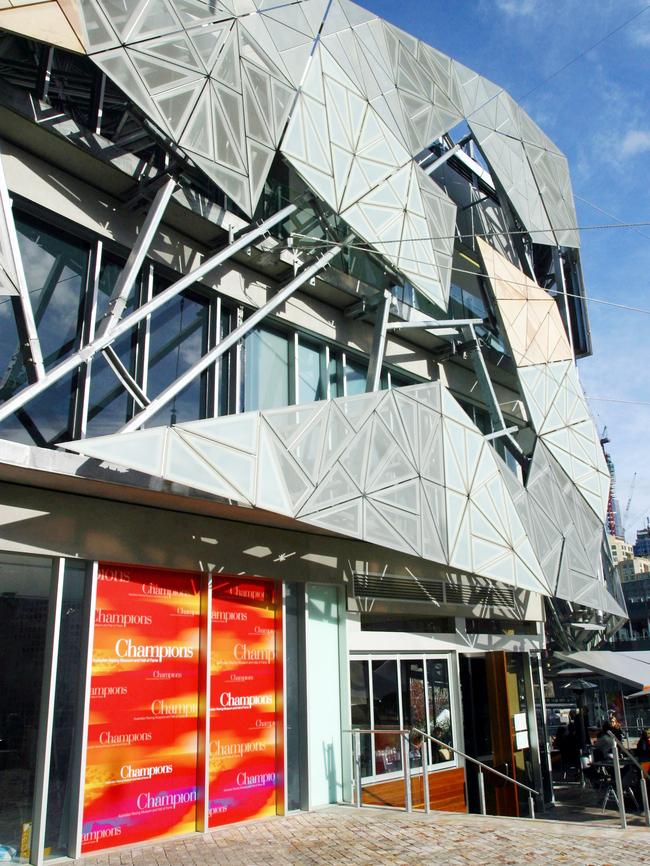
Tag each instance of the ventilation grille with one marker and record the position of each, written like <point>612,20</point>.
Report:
<point>430,591</point>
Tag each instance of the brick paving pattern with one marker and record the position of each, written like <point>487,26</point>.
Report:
<point>342,836</point>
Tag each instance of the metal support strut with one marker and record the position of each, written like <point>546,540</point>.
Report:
<point>87,352</point>
<point>229,341</point>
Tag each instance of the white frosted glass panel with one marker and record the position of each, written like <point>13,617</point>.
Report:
<point>323,696</point>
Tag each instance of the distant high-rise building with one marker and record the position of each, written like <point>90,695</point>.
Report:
<point>613,522</point>
<point>642,543</point>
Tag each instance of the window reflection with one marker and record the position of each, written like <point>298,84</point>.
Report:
<point>266,379</point>
<point>360,698</point>
<point>388,752</point>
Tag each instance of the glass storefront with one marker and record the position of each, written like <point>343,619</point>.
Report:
<point>394,693</point>
<point>143,757</point>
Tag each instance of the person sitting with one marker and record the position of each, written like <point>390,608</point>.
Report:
<point>643,746</point>
<point>603,745</point>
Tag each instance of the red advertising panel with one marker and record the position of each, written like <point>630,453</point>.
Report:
<point>142,735</point>
<point>244,703</point>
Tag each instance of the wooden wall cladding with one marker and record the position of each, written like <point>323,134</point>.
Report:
<point>446,791</point>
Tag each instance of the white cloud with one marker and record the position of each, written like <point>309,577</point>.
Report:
<point>641,36</point>
<point>516,7</point>
<point>635,141</point>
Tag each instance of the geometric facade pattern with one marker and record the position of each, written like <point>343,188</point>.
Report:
<point>405,469</point>
<point>559,415</point>
<point>530,316</point>
<point>346,97</point>
<point>565,533</point>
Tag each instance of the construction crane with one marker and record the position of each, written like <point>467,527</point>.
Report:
<point>629,501</point>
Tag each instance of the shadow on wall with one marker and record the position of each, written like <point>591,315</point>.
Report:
<point>329,767</point>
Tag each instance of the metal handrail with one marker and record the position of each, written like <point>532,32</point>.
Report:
<point>619,782</point>
<point>476,761</point>
<point>407,735</point>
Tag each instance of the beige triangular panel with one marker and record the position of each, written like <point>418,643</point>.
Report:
<point>530,316</point>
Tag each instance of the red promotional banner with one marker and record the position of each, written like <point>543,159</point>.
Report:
<point>243,701</point>
<point>142,736</point>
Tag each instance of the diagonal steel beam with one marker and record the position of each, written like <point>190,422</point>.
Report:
<point>87,352</point>
<point>124,284</point>
<point>116,365</point>
<point>373,378</point>
<point>230,340</point>
<point>27,328</point>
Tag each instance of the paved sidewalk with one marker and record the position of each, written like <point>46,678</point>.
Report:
<point>342,836</point>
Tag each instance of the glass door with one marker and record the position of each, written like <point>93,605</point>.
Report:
<point>24,600</point>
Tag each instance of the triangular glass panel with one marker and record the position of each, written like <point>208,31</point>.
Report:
<point>290,423</point>
<point>338,436</point>
<point>406,524</point>
<point>271,491</point>
<point>336,487</point>
<point>378,530</point>
<point>358,408</point>
<point>176,47</point>
<point>405,495</point>
<point>389,414</point>
<point>355,456</point>
<point>238,431</point>
<point>141,451</point>
<point>177,105</point>
<point>307,448</point>
<point>198,136</point>
<point>209,41</point>
<point>184,466</point>
<point>296,482</point>
<point>156,20</point>
<point>237,467</point>
<point>342,518</point>
<point>394,470</point>
<point>434,531</point>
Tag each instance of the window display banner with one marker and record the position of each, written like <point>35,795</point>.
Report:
<point>244,705</point>
<point>142,735</point>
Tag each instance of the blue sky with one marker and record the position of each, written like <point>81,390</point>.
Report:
<point>598,112</point>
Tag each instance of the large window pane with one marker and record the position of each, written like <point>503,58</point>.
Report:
<point>110,405</point>
<point>24,595</point>
<point>388,756</point>
<point>294,694</point>
<point>360,697</point>
<point>414,702</point>
<point>266,379</point>
<point>310,384</point>
<point>12,367</point>
<point>440,725</point>
<point>355,378</point>
<point>178,339</point>
<point>55,269</point>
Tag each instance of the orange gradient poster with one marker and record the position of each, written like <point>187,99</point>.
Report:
<point>243,708</point>
<point>142,736</point>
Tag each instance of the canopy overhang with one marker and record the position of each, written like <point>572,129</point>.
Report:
<point>630,668</point>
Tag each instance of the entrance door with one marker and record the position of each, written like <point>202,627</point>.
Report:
<point>141,765</point>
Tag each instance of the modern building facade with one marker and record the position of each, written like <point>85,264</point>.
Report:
<point>620,548</point>
<point>292,436</point>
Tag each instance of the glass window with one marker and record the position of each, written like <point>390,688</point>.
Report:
<point>24,598</point>
<point>335,374</point>
<point>55,270</point>
<point>310,384</point>
<point>414,711</point>
<point>266,376</point>
<point>355,378</point>
<point>360,697</point>
<point>12,367</point>
<point>388,752</point>
<point>110,405</point>
<point>439,705</point>
<point>177,340</point>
